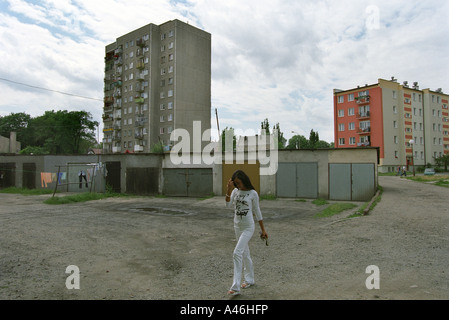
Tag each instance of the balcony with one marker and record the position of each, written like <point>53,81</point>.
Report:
<point>363,115</point>
<point>116,149</point>
<point>108,100</point>
<point>364,130</point>
<point>363,144</point>
<point>138,148</point>
<point>140,43</point>
<point>139,100</point>
<point>140,64</point>
<point>362,99</point>
<point>107,117</point>
<point>139,122</point>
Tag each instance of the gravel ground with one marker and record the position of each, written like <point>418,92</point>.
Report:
<point>181,248</point>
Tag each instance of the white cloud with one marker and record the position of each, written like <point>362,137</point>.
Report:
<point>270,59</point>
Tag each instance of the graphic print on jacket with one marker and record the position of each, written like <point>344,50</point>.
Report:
<point>241,205</point>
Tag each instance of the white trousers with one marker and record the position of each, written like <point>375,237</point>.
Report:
<point>242,258</point>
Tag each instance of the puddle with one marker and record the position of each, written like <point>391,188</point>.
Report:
<point>157,211</point>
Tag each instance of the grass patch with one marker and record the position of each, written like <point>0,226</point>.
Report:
<point>301,200</point>
<point>81,197</point>
<point>442,183</point>
<point>268,197</point>
<point>26,192</point>
<point>320,202</point>
<point>207,197</point>
<point>334,209</point>
<point>363,208</point>
<point>438,180</point>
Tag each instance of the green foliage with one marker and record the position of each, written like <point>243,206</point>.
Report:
<point>301,142</point>
<point>55,132</point>
<point>25,191</point>
<point>320,202</point>
<point>334,209</point>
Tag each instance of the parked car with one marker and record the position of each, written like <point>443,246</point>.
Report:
<point>429,172</point>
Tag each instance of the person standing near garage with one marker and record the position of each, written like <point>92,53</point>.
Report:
<point>241,192</point>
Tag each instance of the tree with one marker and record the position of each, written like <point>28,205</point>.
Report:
<point>54,132</point>
<point>442,161</point>
<point>301,142</point>
<point>228,132</point>
<point>16,122</point>
<point>280,137</point>
<point>313,139</point>
<point>298,142</point>
<point>265,127</point>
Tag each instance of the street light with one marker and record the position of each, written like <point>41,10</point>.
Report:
<point>412,142</point>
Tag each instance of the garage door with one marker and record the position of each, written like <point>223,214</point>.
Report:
<point>352,181</point>
<point>297,180</point>
<point>188,182</point>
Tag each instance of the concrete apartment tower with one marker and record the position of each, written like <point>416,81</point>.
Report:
<point>157,79</point>
<point>410,126</point>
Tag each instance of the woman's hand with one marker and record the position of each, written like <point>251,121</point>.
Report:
<point>230,186</point>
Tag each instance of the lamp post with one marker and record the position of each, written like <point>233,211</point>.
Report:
<point>412,142</point>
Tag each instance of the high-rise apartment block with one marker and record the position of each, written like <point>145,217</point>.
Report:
<point>410,126</point>
<point>157,79</point>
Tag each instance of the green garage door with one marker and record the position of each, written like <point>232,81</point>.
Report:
<point>188,182</point>
<point>297,180</point>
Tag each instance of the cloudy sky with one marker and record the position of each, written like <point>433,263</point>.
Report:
<point>271,59</point>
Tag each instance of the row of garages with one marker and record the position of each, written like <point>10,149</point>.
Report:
<point>335,174</point>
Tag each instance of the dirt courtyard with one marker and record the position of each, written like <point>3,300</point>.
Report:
<point>181,248</point>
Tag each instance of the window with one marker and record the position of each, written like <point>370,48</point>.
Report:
<point>351,97</point>
<point>170,105</point>
<point>350,111</point>
<point>341,99</point>
<point>170,69</point>
<point>170,117</point>
<point>341,113</point>
<point>170,93</point>
<point>394,94</point>
<point>351,126</point>
<point>171,56</point>
<point>363,93</point>
<point>395,124</point>
<point>341,141</point>
<point>395,110</point>
<point>171,45</point>
<point>341,127</point>
<point>351,140</point>
<point>395,139</point>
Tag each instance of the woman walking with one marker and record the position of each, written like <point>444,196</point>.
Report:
<point>241,192</point>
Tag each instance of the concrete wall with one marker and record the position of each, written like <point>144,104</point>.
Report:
<point>267,185</point>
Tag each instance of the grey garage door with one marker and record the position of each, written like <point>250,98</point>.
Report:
<point>351,181</point>
<point>297,180</point>
<point>188,182</point>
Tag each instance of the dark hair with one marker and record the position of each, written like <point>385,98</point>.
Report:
<point>244,178</point>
